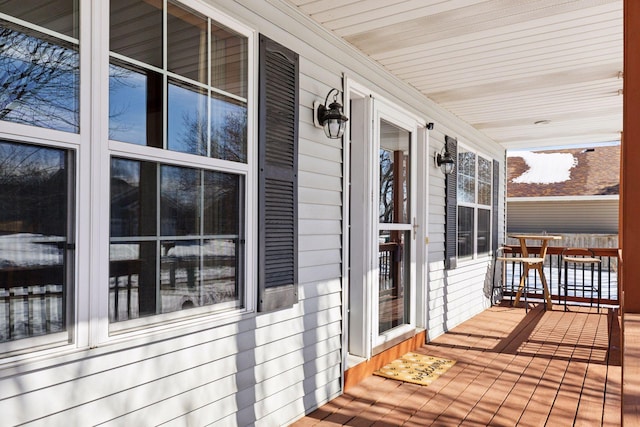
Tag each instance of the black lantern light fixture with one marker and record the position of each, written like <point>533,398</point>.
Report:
<point>445,161</point>
<point>331,119</point>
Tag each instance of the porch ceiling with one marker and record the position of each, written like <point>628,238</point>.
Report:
<point>500,65</point>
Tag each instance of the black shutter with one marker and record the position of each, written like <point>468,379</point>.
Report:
<point>277,177</point>
<point>495,204</point>
<point>451,206</point>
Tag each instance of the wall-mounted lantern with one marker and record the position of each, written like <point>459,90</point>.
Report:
<point>445,161</point>
<point>330,119</point>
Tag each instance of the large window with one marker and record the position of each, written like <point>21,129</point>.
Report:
<point>126,169</point>
<point>178,81</point>
<point>474,204</point>
<point>176,239</point>
<point>182,89</point>
<point>40,91</point>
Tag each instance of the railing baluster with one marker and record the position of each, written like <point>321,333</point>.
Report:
<point>609,293</point>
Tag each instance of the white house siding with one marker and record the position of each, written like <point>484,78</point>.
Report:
<point>578,215</point>
<point>456,295</point>
<point>262,369</point>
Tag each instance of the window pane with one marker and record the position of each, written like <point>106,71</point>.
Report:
<point>223,265</point>
<point>484,181</point>
<point>179,201</point>
<point>179,275</point>
<point>484,193</point>
<point>153,274</point>
<point>136,30</point>
<point>132,280</point>
<point>34,220</point>
<point>187,127</point>
<point>466,177</point>
<point>465,231</point>
<point>39,76</point>
<point>135,105</point>
<point>187,43</point>
<point>60,16</point>
<point>484,231</point>
<point>228,61</point>
<point>394,263</point>
<point>222,203</point>
<point>394,174</point>
<point>133,198</point>
<point>228,129</point>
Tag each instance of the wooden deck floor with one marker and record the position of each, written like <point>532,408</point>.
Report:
<point>539,368</point>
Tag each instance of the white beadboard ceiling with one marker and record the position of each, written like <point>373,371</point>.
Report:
<point>500,65</point>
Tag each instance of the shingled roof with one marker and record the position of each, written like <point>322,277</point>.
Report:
<point>568,172</point>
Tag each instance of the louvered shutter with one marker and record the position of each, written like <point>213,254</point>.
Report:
<point>494,199</point>
<point>278,177</point>
<point>451,213</point>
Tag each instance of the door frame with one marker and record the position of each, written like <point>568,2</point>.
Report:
<point>358,341</point>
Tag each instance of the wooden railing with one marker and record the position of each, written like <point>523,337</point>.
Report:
<point>554,273</point>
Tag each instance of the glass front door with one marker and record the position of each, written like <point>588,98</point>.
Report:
<point>395,224</point>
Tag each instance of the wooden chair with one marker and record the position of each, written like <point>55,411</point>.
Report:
<point>502,254</point>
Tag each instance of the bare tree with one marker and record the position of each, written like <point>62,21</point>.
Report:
<point>39,79</point>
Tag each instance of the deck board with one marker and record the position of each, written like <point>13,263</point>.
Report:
<point>535,368</point>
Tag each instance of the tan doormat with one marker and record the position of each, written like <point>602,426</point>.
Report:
<point>416,368</point>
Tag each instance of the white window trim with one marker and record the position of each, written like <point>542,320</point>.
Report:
<point>77,329</point>
<point>92,153</point>
<point>104,331</point>
<point>362,329</point>
<point>475,257</point>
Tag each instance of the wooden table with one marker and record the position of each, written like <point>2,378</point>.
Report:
<point>535,263</point>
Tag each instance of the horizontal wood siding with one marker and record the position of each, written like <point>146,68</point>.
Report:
<point>456,295</point>
<point>576,216</point>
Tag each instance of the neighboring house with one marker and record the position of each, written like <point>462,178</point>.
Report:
<point>180,244</point>
<point>564,191</point>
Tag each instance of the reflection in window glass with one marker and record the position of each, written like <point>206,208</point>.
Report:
<point>228,129</point>
<point>484,181</point>
<point>40,79</point>
<point>187,119</point>
<point>386,187</point>
<point>228,61</point>
<point>34,220</point>
<point>132,280</point>
<point>136,30</point>
<point>466,231</point>
<point>394,265</point>
<point>187,43</point>
<point>179,201</point>
<point>222,203</point>
<point>206,71</point>
<point>394,174</point>
<point>133,198</point>
<point>484,231</point>
<point>60,16</point>
<point>169,271</point>
<point>466,177</point>
<point>474,193</point>
<point>135,105</point>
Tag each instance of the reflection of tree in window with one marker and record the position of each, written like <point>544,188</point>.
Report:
<point>38,79</point>
<point>180,201</point>
<point>33,227</point>
<point>33,188</point>
<point>386,186</point>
